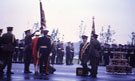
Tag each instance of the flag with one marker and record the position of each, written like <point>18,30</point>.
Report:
<point>93,27</point>
<point>42,14</point>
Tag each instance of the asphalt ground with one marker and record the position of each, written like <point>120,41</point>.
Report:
<point>64,73</point>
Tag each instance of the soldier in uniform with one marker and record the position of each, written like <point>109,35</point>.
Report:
<point>72,52</point>
<point>21,50</point>
<point>106,54</point>
<point>83,53</point>
<point>68,54</point>
<point>93,55</point>
<point>132,56</point>
<point>83,48</point>
<point>61,53</point>
<point>8,40</point>
<point>28,50</point>
<point>44,49</point>
<point>58,52</point>
<point>54,52</point>
<point>1,54</point>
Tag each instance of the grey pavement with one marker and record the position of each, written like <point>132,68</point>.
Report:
<point>65,73</point>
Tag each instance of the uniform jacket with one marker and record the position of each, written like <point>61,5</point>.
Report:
<point>94,48</point>
<point>44,41</point>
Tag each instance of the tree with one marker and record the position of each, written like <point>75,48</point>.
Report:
<point>106,37</point>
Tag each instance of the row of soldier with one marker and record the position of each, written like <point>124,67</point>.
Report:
<point>10,48</point>
<point>41,45</point>
<point>107,53</point>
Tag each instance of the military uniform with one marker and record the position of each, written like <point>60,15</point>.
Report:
<point>54,52</point>
<point>21,51</point>
<point>68,54</point>
<point>106,54</point>
<point>58,53</point>
<point>84,53</point>
<point>93,55</point>
<point>8,39</point>
<point>72,53</point>
<point>44,48</point>
<point>27,51</point>
<point>1,54</point>
<point>132,56</point>
<point>61,53</point>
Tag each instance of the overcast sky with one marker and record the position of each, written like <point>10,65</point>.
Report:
<point>67,15</point>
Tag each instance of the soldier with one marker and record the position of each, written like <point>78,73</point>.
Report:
<point>44,49</point>
<point>106,54</point>
<point>21,51</point>
<point>58,52</point>
<point>1,54</point>
<point>94,54</point>
<point>1,61</point>
<point>9,43</point>
<point>61,53</point>
<point>132,56</point>
<point>28,50</point>
<point>68,53</point>
<point>54,52</point>
<point>72,52</point>
<point>83,47</point>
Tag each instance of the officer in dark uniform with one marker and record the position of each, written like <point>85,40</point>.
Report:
<point>83,53</point>
<point>68,54</point>
<point>21,50</point>
<point>61,53</point>
<point>72,52</point>
<point>132,56</point>
<point>83,50</point>
<point>44,48</point>
<point>106,53</point>
<point>58,52</point>
<point>8,40</point>
<point>28,50</point>
<point>54,52</point>
<point>1,54</point>
<point>93,55</point>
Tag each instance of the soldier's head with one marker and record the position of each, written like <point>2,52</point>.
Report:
<point>84,38</point>
<point>72,44</point>
<point>94,36</point>
<point>54,43</point>
<point>69,43</point>
<point>27,32</point>
<point>1,31</point>
<point>9,29</point>
<point>45,32</point>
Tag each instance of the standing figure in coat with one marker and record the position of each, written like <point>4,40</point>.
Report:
<point>28,50</point>
<point>94,50</point>
<point>68,53</point>
<point>9,42</point>
<point>54,52</point>
<point>44,49</point>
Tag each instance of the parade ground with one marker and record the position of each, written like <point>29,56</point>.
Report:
<point>65,73</point>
